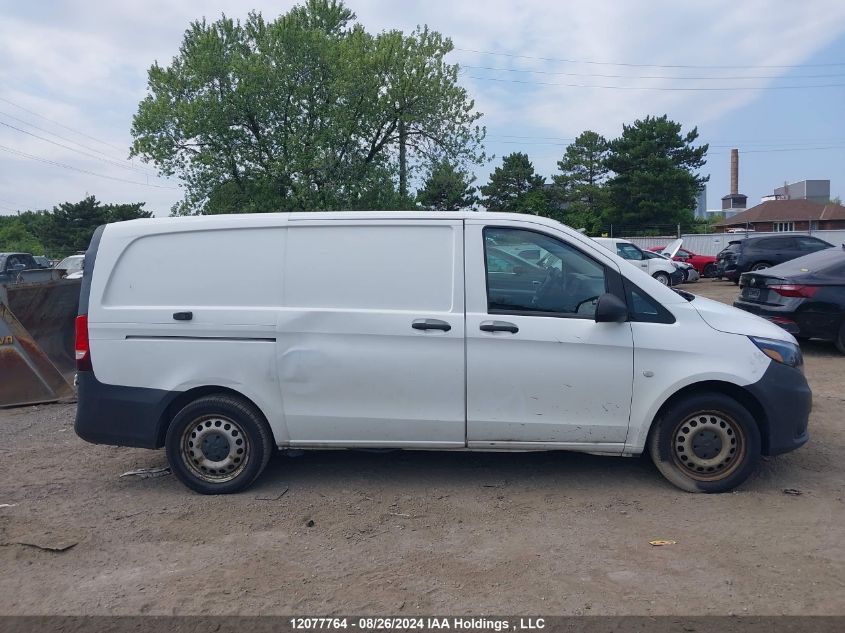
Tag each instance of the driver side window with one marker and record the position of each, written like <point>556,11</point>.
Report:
<point>563,281</point>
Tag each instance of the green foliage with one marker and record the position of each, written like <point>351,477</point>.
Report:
<point>655,180</point>
<point>14,236</point>
<point>579,189</point>
<point>447,188</point>
<point>516,188</point>
<point>65,230</point>
<point>308,111</point>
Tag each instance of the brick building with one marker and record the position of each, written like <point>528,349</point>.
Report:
<point>787,215</point>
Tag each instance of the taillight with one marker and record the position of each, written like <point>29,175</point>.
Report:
<point>83,349</point>
<point>794,290</point>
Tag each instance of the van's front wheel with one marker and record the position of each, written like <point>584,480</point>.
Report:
<point>706,443</point>
<point>218,444</point>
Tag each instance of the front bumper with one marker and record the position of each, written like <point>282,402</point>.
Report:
<point>786,399</point>
<point>677,277</point>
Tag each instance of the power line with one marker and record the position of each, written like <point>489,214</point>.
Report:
<point>631,65</point>
<point>79,151</point>
<point>781,149</point>
<point>555,140</point>
<point>84,171</point>
<point>606,76</point>
<point>660,88</point>
<point>70,140</point>
<point>61,125</point>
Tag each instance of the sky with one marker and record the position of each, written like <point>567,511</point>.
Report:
<point>73,72</point>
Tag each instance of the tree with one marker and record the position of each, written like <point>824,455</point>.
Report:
<point>308,111</point>
<point>14,236</point>
<point>579,189</point>
<point>127,211</point>
<point>71,224</point>
<point>516,188</point>
<point>447,188</point>
<point>655,179</point>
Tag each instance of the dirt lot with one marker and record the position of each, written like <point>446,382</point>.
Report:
<point>421,533</point>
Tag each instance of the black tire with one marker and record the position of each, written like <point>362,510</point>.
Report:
<point>840,340</point>
<point>218,444</point>
<point>761,266</point>
<point>662,278</point>
<point>709,271</point>
<point>705,443</point>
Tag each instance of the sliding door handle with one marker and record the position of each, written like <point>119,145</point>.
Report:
<point>498,326</point>
<point>431,324</point>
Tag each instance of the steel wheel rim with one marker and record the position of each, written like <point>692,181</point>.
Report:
<point>215,448</point>
<point>708,445</point>
<point>663,279</point>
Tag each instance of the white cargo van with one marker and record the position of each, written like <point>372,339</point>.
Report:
<point>223,337</point>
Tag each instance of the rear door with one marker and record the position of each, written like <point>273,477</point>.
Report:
<point>371,339</point>
<point>540,370</point>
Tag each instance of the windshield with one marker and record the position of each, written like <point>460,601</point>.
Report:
<point>71,264</point>
<point>628,251</point>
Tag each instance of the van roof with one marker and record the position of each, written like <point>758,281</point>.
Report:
<point>261,220</point>
<point>276,218</point>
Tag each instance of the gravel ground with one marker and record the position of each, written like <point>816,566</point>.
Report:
<point>421,533</point>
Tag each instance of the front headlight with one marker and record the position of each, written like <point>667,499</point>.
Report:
<point>787,353</point>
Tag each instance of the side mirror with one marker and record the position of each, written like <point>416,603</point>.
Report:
<point>611,309</point>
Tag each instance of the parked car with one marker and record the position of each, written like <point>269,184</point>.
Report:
<point>399,330</point>
<point>662,270</point>
<point>687,272</point>
<point>759,253</point>
<point>704,264</point>
<point>804,296</point>
<point>13,263</point>
<point>72,265</point>
<point>42,261</point>
<point>740,230</point>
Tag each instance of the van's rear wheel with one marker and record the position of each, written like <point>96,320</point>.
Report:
<point>218,444</point>
<point>706,443</point>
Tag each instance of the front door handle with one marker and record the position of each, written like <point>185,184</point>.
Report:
<point>498,326</point>
<point>431,324</point>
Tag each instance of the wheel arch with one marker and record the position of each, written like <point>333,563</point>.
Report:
<point>186,397</point>
<point>738,393</point>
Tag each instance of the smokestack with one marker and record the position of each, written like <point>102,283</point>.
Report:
<point>734,171</point>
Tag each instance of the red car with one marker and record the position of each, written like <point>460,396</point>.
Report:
<point>704,264</point>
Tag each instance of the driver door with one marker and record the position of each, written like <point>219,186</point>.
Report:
<point>540,370</point>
